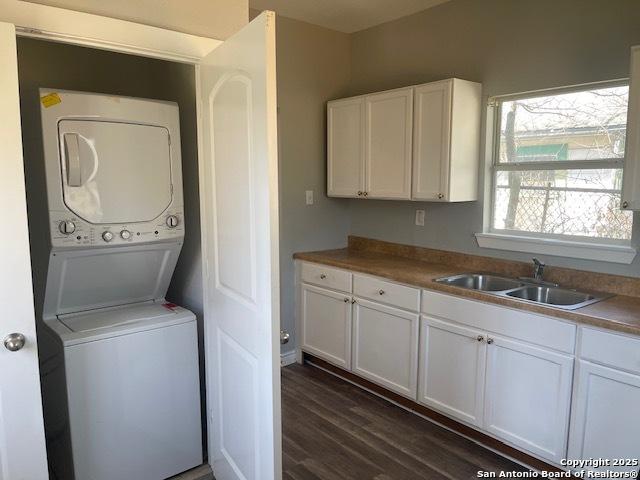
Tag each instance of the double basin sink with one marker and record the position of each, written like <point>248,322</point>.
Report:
<point>528,291</point>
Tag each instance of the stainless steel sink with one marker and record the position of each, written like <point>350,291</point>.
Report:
<point>551,296</point>
<point>481,281</point>
<point>554,296</point>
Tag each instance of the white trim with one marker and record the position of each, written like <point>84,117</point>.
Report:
<point>288,358</point>
<point>78,28</point>
<point>560,248</point>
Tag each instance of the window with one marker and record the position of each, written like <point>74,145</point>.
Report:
<point>557,169</point>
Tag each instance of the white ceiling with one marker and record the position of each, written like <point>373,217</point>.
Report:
<point>345,15</point>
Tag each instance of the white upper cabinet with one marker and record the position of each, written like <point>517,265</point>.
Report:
<point>345,147</point>
<point>388,125</point>
<point>419,143</point>
<point>631,175</point>
<point>446,141</point>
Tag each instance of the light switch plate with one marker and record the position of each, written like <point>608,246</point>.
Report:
<point>309,197</point>
<point>420,218</point>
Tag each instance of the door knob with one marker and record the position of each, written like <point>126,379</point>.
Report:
<point>284,337</point>
<point>14,342</point>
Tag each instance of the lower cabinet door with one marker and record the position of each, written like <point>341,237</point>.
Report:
<point>527,396</point>
<point>385,346</point>
<point>452,365</point>
<point>605,421</point>
<point>326,324</point>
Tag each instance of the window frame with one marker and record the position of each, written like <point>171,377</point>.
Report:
<point>605,249</point>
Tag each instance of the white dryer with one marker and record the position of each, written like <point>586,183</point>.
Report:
<point>120,376</point>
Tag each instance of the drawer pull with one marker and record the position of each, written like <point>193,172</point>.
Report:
<point>380,292</point>
<point>322,276</point>
<point>480,338</point>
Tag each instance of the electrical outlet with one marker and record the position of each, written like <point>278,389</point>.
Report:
<point>309,197</point>
<point>420,218</point>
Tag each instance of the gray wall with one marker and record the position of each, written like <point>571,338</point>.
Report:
<point>54,65</point>
<point>509,46</point>
<point>313,65</point>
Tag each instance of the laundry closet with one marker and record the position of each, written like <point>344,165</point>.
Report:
<point>112,379</point>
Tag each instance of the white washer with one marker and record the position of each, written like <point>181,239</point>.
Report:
<point>119,364</point>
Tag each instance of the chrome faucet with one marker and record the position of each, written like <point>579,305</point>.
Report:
<point>538,269</point>
<point>538,272</point>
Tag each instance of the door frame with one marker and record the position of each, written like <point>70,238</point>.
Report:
<point>105,33</point>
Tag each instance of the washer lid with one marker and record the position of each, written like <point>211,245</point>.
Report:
<point>91,278</point>
<point>115,172</point>
<point>102,319</point>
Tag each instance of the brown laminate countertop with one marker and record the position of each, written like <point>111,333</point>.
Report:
<point>620,312</point>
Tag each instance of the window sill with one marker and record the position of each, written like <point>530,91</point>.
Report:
<point>560,248</point>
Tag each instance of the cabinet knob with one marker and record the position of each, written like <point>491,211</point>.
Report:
<point>365,193</point>
<point>359,193</point>
<point>440,196</point>
<point>346,300</point>
<point>480,338</point>
<point>489,341</point>
<point>625,204</point>
<point>380,292</point>
<point>353,300</point>
<point>322,276</point>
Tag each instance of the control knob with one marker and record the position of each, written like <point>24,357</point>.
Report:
<point>125,234</point>
<point>67,227</point>
<point>172,221</point>
<point>107,236</point>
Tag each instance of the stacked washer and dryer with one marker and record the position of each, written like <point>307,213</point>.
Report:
<point>121,387</point>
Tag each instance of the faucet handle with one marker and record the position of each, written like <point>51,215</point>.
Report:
<point>538,263</point>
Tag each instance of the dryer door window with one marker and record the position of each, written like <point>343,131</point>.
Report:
<point>115,172</point>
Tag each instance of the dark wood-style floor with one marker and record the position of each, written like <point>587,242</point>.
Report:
<point>334,430</point>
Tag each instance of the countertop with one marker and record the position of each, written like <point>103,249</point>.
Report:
<point>619,313</point>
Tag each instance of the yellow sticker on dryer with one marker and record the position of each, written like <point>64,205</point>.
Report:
<point>50,100</point>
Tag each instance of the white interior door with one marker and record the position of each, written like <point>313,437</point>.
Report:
<point>239,203</point>
<point>22,449</point>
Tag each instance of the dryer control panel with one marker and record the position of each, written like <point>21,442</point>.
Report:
<point>68,231</point>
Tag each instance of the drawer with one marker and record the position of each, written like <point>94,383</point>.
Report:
<point>510,322</point>
<point>328,277</point>
<point>612,349</point>
<point>379,290</point>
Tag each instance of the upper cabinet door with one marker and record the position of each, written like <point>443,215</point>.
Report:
<point>345,147</point>
<point>631,175</point>
<point>239,207</point>
<point>388,138</point>
<point>431,141</point>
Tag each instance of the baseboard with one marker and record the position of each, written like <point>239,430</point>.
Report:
<point>287,358</point>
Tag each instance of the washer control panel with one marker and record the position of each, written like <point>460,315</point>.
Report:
<point>71,231</point>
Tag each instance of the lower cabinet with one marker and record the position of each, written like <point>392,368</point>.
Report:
<point>385,346</point>
<point>528,396</point>
<point>452,369</point>
<point>326,324</point>
<point>513,390</point>
<point>604,421</point>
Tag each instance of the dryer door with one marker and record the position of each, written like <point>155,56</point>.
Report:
<point>114,172</point>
